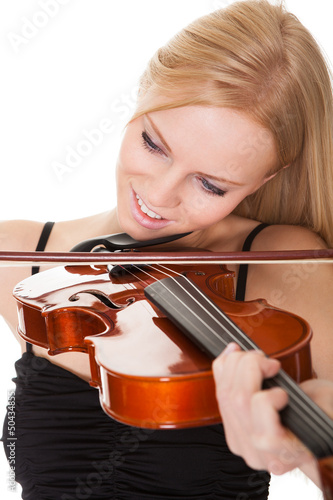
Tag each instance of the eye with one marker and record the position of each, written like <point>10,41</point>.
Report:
<point>210,189</point>
<point>149,144</point>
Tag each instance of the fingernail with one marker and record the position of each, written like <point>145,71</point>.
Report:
<point>232,347</point>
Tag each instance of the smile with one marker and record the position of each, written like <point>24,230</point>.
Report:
<point>146,210</point>
<point>144,216</point>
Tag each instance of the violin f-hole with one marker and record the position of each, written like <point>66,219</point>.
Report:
<point>102,297</point>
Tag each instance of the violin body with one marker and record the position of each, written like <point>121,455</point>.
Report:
<point>148,373</point>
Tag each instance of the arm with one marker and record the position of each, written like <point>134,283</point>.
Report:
<point>15,236</point>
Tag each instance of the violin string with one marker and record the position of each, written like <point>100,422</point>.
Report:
<point>287,380</point>
<point>242,334</point>
<point>133,274</point>
<point>289,383</point>
<point>189,281</point>
<point>138,268</point>
<point>307,410</point>
<point>160,270</point>
<point>217,309</point>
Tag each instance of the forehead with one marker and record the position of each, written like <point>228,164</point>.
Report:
<point>217,137</point>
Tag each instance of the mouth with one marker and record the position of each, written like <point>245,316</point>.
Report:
<point>146,210</point>
<point>144,215</point>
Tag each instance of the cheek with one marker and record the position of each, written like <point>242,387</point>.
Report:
<point>209,209</point>
<point>132,160</point>
<point>123,158</point>
<point>204,213</point>
<point>124,170</point>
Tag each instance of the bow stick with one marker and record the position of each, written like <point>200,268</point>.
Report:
<point>18,259</point>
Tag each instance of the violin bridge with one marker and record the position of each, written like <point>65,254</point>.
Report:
<point>118,270</point>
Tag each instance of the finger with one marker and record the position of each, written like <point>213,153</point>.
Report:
<point>219,363</point>
<point>283,451</point>
<point>249,371</point>
<point>269,366</point>
<point>265,407</point>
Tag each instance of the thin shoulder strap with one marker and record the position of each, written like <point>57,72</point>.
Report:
<point>42,242</point>
<point>45,234</point>
<point>243,268</point>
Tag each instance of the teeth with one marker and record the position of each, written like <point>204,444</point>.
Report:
<point>146,210</point>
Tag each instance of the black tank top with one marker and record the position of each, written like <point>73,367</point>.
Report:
<point>67,448</point>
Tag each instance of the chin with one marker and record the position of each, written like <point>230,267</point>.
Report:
<point>137,233</point>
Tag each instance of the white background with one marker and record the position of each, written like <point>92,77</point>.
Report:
<point>65,70</point>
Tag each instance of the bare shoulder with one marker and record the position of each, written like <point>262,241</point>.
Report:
<point>287,277</point>
<point>23,235</point>
<point>286,237</point>
<point>19,235</point>
<point>289,285</point>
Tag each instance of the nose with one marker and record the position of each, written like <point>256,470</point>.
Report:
<point>165,190</point>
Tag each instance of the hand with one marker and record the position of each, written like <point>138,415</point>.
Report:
<point>250,414</point>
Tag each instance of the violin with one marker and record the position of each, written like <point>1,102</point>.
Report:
<point>151,332</point>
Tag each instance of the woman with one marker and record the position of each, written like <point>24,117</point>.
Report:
<point>232,128</point>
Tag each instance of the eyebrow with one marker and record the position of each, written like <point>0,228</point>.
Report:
<point>221,179</point>
<point>154,127</point>
<point>165,144</point>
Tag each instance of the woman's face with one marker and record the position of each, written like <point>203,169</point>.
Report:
<point>185,169</point>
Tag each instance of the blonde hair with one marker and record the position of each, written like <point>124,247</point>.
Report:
<point>258,58</point>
